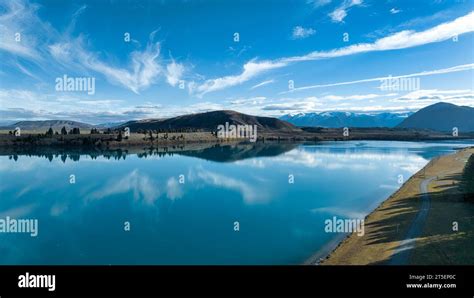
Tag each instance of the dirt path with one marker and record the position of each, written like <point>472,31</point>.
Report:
<point>402,253</point>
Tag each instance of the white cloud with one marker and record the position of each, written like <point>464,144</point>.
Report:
<point>174,72</point>
<point>400,40</point>
<point>42,106</point>
<point>16,21</point>
<point>248,101</point>
<point>395,11</point>
<point>262,84</point>
<point>297,104</point>
<point>464,67</point>
<point>318,3</point>
<point>368,103</point>
<point>357,96</point>
<point>250,70</point>
<point>26,71</point>
<point>301,33</point>
<point>144,68</point>
<point>339,14</point>
<point>422,98</point>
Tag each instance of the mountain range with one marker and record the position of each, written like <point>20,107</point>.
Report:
<point>346,119</point>
<point>56,125</point>
<point>440,117</point>
<point>44,125</point>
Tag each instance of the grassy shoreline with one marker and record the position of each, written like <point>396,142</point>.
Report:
<point>387,225</point>
<point>113,140</point>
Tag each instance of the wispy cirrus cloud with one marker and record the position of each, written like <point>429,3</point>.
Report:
<point>262,84</point>
<point>42,44</point>
<point>400,40</point>
<point>145,66</point>
<point>318,3</point>
<point>458,68</point>
<point>174,72</point>
<point>251,69</point>
<point>340,13</point>
<point>18,25</point>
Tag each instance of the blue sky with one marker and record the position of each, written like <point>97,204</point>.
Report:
<point>183,56</point>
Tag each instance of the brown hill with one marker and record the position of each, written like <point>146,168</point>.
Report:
<point>209,121</point>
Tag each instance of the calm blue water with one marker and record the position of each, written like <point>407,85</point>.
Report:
<point>193,223</point>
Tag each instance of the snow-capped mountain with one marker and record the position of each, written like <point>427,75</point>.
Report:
<point>346,119</point>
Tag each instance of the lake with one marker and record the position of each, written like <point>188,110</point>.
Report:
<point>252,204</point>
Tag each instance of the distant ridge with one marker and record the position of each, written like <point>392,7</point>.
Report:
<point>442,116</point>
<point>209,121</point>
<point>46,124</point>
<point>346,119</point>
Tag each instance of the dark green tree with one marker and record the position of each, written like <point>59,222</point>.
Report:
<point>50,132</point>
